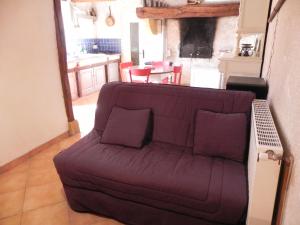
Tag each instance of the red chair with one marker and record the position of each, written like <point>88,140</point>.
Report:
<point>177,71</point>
<point>176,76</point>
<point>165,80</point>
<point>140,73</point>
<point>123,66</point>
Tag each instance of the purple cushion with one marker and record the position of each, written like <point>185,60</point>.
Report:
<point>173,107</point>
<point>221,135</point>
<point>126,127</point>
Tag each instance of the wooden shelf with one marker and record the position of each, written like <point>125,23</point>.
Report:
<point>188,11</point>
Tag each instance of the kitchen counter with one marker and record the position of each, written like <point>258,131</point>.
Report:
<point>88,59</point>
<point>88,72</point>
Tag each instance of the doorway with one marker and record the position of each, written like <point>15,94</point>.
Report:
<point>85,80</point>
<point>86,63</point>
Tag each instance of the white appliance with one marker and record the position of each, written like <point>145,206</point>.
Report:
<point>205,77</point>
<point>264,162</point>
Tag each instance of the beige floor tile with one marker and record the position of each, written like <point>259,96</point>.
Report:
<point>13,220</point>
<point>49,152</point>
<point>23,167</point>
<point>56,214</point>
<point>84,111</point>
<point>106,221</point>
<point>86,100</point>
<point>42,176</point>
<point>37,163</point>
<point>11,203</point>
<point>82,218</point>
<point>43,195</point>
<point>10,182</point>
<point>69,141</point>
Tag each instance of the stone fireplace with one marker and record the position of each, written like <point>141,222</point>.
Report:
<point>197,37</point>
<point>224,40</point>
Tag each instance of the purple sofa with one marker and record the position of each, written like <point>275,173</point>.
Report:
<point>168,181</point>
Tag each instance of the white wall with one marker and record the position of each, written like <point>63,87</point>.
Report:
<point>282,69</point>
<point>123,12</point>
<point>104,31</point>
<point>98,29</point>
<point>127,16</point>
<point>32,108</point>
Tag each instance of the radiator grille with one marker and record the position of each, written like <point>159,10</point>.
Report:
<point>266,132</point>
<point>264,162</point>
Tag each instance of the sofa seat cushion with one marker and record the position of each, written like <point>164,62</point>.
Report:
<point>159,175</point>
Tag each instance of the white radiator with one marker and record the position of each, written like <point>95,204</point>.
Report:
<point>265,154</point>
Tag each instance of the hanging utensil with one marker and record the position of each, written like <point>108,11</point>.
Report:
<point>110,20</point>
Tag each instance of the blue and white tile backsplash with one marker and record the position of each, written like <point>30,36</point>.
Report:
<point>101,45</point>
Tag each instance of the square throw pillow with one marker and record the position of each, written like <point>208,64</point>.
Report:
<point>221,135</point>
<point>126,127</point>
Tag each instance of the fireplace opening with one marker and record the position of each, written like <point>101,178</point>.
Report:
<point>197,37</point>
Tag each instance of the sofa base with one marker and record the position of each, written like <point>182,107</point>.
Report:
<point>125,211</point>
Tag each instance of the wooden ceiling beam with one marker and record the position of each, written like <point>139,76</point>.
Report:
<point>189,11</point>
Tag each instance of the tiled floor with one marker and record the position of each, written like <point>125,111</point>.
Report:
<point>32,194</point>
<point>84,111</point>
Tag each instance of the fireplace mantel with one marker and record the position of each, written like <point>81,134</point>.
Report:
<point>189,11</point>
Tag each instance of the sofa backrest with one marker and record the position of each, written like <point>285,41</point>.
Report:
<point>174,107</point>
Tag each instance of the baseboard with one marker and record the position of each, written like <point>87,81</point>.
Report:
<point>33,152</point>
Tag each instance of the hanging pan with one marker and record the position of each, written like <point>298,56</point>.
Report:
<point>110,20</point>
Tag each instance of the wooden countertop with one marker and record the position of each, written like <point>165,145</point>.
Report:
<point>88,59</point>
